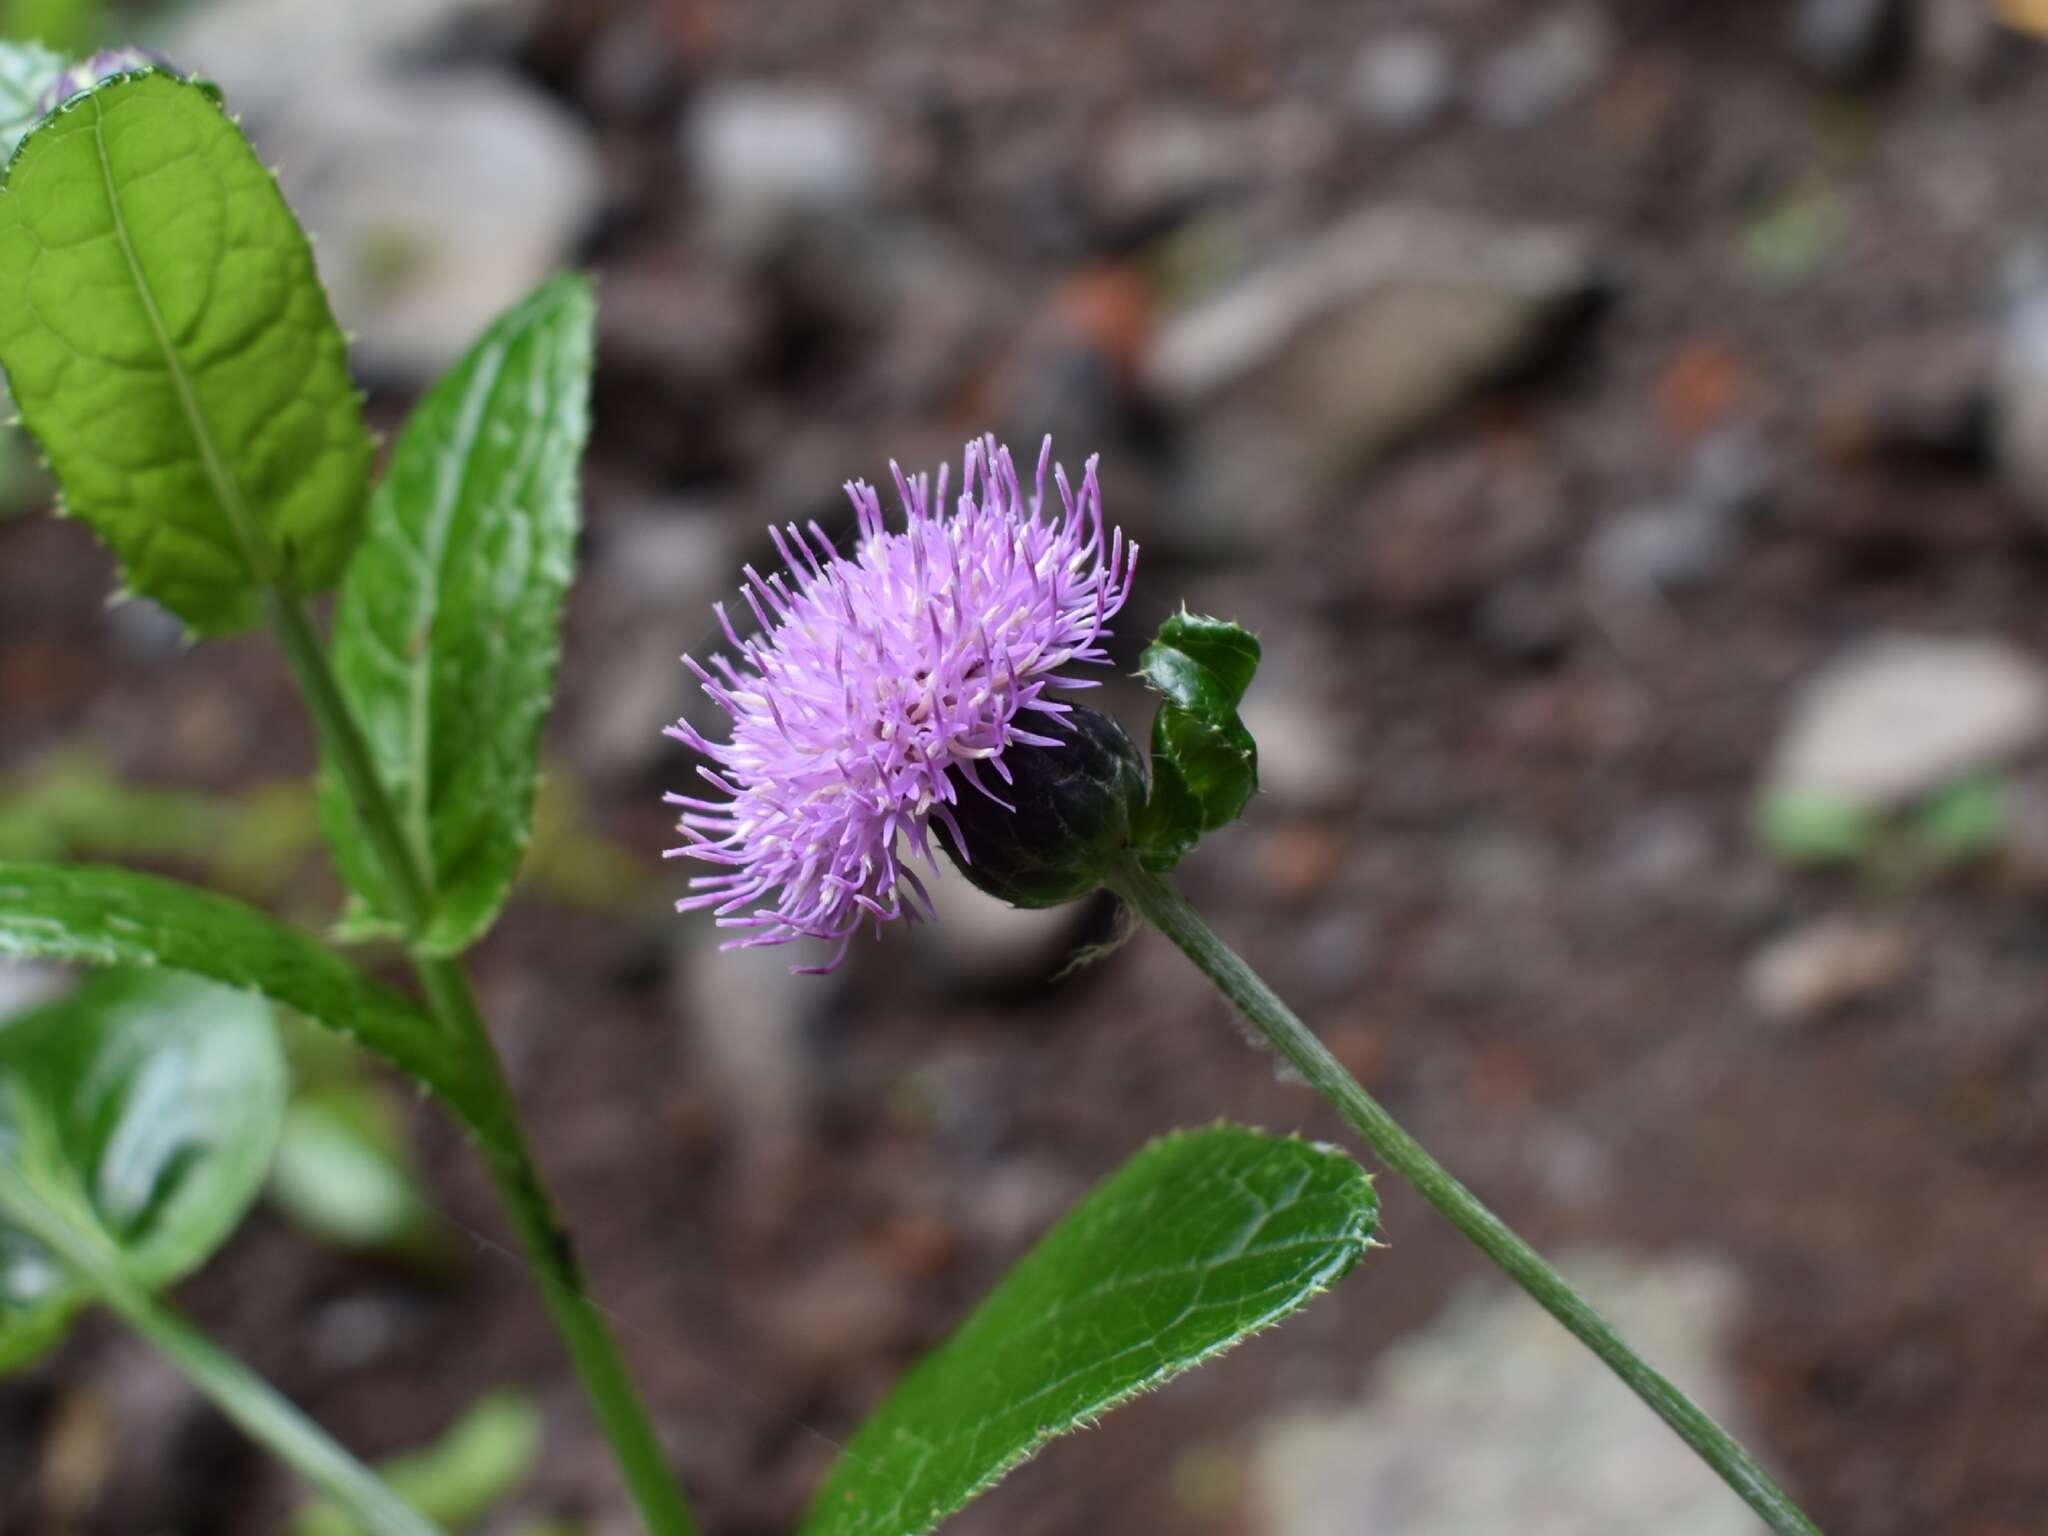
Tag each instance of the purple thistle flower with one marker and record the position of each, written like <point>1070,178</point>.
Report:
<point>874,675</point>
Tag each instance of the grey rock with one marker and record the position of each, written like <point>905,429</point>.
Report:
<point>661,565</point>
<point>1851,42</point>
<point>1733,471</point>
<point>765,156</point>
<point>1160,162</point>
<point>1305,762</point>
<point>747,1020</point>
<point>1569,1451</point>
<point>1900,716</point>
<point>2019,406</point>
<point>1660,549</point>
<point>1403,82</point>
<point>435,203</point>
<point>1556,62</point>
<point>981,943</point>
<point>1297,376</point>
<point>1824,967</point>
<point>271,56</point>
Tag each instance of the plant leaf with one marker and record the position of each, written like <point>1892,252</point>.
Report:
<point>1202,1238</point>
<point>168,343</point>
<point>139,1113</point>
<point>1205,765</point>
<point>344,1173</point>
<point>476,1464</point>
<point>446,635</point>
<point>96,915</point>
<point>26,71</point>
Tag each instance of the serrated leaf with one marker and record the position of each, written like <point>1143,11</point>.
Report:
<point>169,345</point>
<point>96,915</point>
<point>1205,765</point>
<point>446,635</point>
<point>26,71</point>
<point>477,1464</point>
<point>139,1114</point>
<point>1201,1239</point>
<point>1228,654</point>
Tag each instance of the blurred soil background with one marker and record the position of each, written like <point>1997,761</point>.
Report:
<point>1626,427</point>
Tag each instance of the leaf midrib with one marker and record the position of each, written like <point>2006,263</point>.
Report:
<point>226,489</point>
<point>451,488</point>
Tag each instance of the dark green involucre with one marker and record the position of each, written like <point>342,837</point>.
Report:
<point>1202,1239</point>
<point>169,345</point>
<point>1075,806</point>
<point>447,632</point>
<point>1205,765</point>
<point>137,1118</point>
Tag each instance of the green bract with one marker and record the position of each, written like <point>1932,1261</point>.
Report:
<point>137,1117</point>
<point>445,637</point>
<point>168,343</point>
<point>1205,765</point>
<point>1201,1239</point>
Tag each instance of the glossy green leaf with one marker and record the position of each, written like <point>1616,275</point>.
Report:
<point>26,71</point>
<point>137,1117</point>
<point>477,1464</point>
<point>447,632</point>
<point>96,915</point>
<point>1205,765</point>
<point>1201,1239</point>
<point>168,343</point>
<point>344,1173</point>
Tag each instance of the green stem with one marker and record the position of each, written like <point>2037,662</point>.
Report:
<point>592,1349</point>
<point>1159,904</point>
<point>251,1402</point>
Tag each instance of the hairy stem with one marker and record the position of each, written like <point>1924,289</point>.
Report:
<point>1159,904</point>
<point>592,1349</point>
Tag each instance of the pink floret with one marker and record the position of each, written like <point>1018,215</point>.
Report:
<point>873,674</point>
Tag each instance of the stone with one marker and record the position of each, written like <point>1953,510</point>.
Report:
<point>1300,374</point>
<point>1660,549</point>
<point>273,56</point>
<point>2019,399</point>
<point>1305,762</point>
<point>435,204</point>
<point>1559,60</point>
<point>1900,716</point>
<point>1824,967</point>
<point>747,1018</point>
<point>1568,1450</point>
<point>1156,164</point>
<point>1403,82</point>
<point>765,156</point>
<point>980,943</point>
<point>1851,42</point>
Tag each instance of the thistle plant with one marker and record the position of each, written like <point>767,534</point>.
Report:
<point>170,348</point>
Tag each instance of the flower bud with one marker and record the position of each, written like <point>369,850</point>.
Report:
<point>1076,804</point>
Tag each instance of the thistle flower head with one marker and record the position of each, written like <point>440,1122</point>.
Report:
<point>881,681</point>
